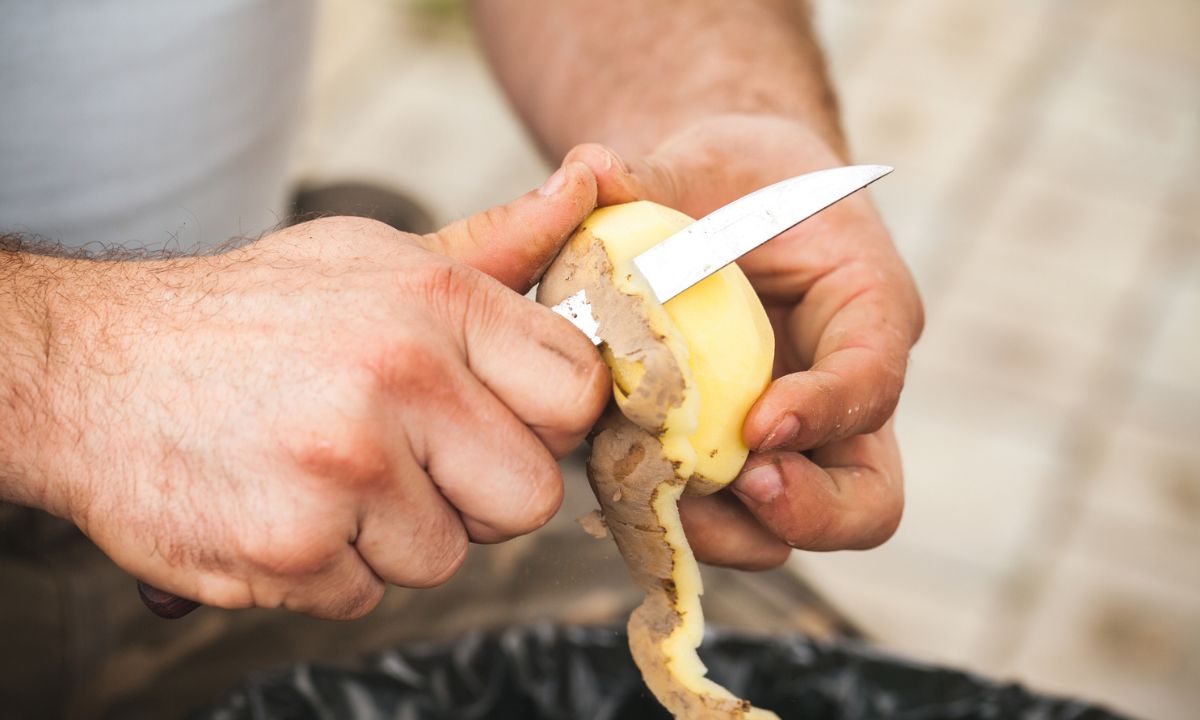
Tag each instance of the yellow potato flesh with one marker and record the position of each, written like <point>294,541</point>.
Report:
<point>722,347</point>
<point>718,325</point>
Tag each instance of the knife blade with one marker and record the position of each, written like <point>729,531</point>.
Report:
<point>726,234</point>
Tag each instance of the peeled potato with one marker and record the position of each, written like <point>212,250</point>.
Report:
<point>684,376</point>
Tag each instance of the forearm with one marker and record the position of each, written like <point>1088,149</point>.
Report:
<point>25,285</point>
<point>629,73</point>
<point>45,302</point>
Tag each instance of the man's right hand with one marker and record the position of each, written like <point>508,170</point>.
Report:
<point>334,407</point>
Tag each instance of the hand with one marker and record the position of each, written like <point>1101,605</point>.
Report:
<point>825,471</point>
<point>333,407</point>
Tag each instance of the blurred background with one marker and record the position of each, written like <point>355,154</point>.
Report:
<point>1047,196</point>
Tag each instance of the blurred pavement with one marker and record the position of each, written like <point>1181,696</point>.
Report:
<point>1046,196</point>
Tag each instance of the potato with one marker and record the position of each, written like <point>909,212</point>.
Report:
<point>684,376</point>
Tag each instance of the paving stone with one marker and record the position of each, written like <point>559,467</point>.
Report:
<point>1151,481</point>
<point>1111,632</point>
<point>921,606</point>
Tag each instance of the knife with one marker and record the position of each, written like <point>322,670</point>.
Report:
<point>679,262</point>
<point>726,234</point>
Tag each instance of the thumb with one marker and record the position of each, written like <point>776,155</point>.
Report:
<point>621,181</point>
<point>515,242</point>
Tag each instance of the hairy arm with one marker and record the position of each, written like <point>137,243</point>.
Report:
<point>629,74</point>
<point>29,282</point>
<point>59,346</point>
<point>281,424</point>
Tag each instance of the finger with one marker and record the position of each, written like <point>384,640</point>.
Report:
<point>514,243</point>
<point>346,589</point>
<point>544,370</point>
<point>303,559</point>
<point>621,180</point>
<point>211,588</point>
<point>723,532</point>
<point>539,365</point>
<point>409,534</point>
<point>856,331</point>
<point>690,173</point>
<point>483,460</point>
<point>848,496</point>
<point>316,572</point>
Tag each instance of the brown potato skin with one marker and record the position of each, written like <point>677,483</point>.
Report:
<point>627,468</point>
<point>626,471</point>
<point>624,324</point>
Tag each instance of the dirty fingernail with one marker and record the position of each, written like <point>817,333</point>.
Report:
<point>760,485</point>
<point>784,433</point>
<point>553,183</point>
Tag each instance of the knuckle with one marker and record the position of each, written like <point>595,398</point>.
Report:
<point>357,603</point>
<point>883,405</point>
<point>440,282</point>
<point>877,534</point>
<point>811,538</point>
<point>542,503</point>
<point>576,381</point>
<point>543,495</point>
<point>228,594</point>
<point>442,559</point>
<point>354,228</point>
<point>454,291</point>
<point>368,226</point>
<point>812,530</point>
<point>590,386</point>
<point>482,226</point>
<point>335,234</point>
<point>349,454</point>
<point>894,371</point>
<point>886,522</point>
<point>594,394</point>
<point>918,315</point>
<point>864,405</point>
<point>405,364</point>
<point>291,553</point>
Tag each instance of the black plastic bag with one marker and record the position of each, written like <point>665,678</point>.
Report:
<point>586,673</point>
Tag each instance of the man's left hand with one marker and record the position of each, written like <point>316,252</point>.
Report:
<point>824,472</point>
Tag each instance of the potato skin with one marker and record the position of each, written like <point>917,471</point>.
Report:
<point>626,471</point>
<point>626,324</point>
<point>638,486</point>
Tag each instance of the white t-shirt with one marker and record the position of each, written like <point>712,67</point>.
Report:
<point>148,123</point>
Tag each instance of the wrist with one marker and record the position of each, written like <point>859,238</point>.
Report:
<point>26,282</point>
<point>651,69</point>
<point>52,311</point>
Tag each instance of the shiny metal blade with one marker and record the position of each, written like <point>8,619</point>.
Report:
<point>726,234</point>
<point>578,311</point>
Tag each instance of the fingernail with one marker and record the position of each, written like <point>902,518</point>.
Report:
<point>761,484</point>
<point>553,183</point>
<point>784,433</point>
